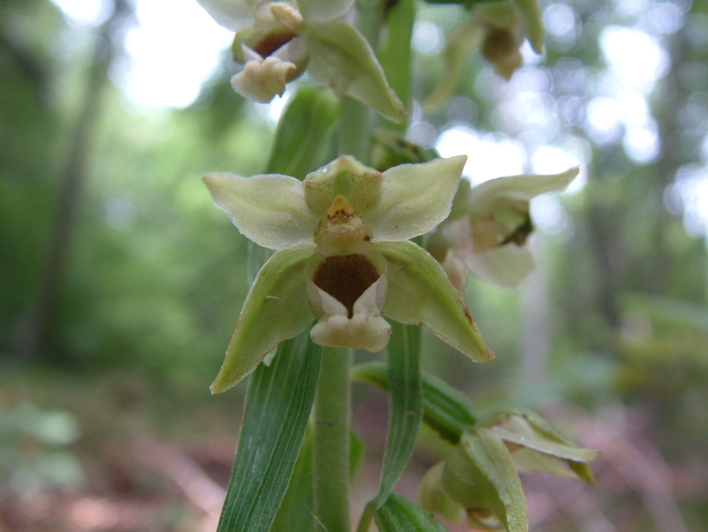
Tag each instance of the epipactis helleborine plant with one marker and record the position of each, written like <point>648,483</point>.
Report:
<point>278,41</point>
<point>488,228</point>
<point>343,255</point>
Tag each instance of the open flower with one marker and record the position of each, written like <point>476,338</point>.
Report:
<point>488,227</point>
<point>278,41</point>
<point>344,258</point>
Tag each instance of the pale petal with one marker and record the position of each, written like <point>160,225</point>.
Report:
<point>521,187</point>
<point>269,209</point>
<point>414,198</point>
<point>231,14</point>
<point>505,266</point>
<point>321,9</point>
<point>421,294</point>
<point>341,58</point>
<point>276,309</point>
<point>262,81</point>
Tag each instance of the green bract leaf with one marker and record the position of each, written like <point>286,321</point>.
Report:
<point>268,209</point>
<point>301,139</point>
<point>532,20</point>
<point>276,309</point>
<point>506,265</point>
<point>480,475</point>
<point>460,44</point>
<point>420,293</point>
<point>400,514</point>
<point>414,198</point>
<point>446,410</point>
<point>341,58</point>
<point>278,407</point>
<point>406,412</point>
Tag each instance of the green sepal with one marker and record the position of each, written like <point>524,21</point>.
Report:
<point>480,475</point>
<point>420,293</point>
<point>445,409</point>
<point>460,44</point>
<point>400,514</point>
<point>276,309</point>
<point>341,58</point>
<point>302,138</point>
<point>278,405</point>
<point>406,400</point>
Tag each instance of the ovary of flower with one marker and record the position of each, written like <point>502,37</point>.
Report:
<point>344,257</point>
<point>489,226</point>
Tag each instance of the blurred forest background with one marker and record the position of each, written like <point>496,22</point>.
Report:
<point>120,281</point>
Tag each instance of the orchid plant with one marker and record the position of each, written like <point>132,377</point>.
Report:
<point>339,263</point>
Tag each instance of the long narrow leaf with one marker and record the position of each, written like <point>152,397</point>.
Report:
<point>406,415</point>
<point>278,405</point>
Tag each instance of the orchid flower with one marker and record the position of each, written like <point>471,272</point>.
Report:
<point>488,228</point>
<point>278,41</point>
<point>343,257</point>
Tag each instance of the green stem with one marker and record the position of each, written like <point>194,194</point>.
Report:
<point>366,518</point>
<point>331,441</point>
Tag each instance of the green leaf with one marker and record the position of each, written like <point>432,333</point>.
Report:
<point>278,405</point>
<point>406,412</point>
<point>341,58</point>
<point>445,409</point>
<point>304,132</point>
<point>480,475</point>
<point>420,293</point>
<point>296,512</point>
<point>276,309</point>
<point>400,514</point>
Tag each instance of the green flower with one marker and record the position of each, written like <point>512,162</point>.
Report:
<point>488,227</point>
<point>278,41</point>
<point>344,258</point>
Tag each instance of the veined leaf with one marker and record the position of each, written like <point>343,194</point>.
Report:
<point>278,405</point>
<point>406,412</point>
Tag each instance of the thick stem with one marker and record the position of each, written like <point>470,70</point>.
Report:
<point>331,441</point>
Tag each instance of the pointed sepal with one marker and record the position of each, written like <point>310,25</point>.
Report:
<point>421,294</point>
<point>276,309</point>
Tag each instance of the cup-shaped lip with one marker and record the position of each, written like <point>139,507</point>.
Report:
<point>345,278</point>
